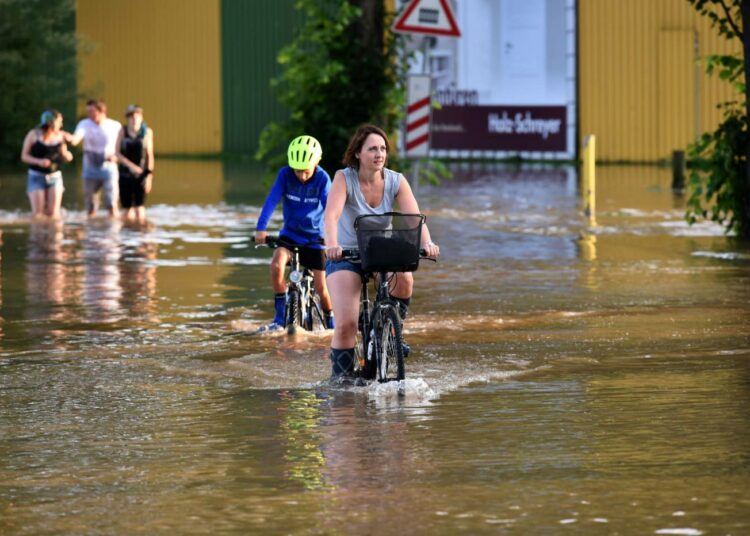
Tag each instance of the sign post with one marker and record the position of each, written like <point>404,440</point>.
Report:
<point>427,17</point>
<point>419,90</point>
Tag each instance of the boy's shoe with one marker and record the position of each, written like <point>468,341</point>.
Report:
<point>273,326</point>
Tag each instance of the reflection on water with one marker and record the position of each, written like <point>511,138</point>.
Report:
<point>95,274</point>
<point>563,377</point>
<point>301,412</point>
<point>100,286</point>
<point>138,278</point>
<point>49,278</point>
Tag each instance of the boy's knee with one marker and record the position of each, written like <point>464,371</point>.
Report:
<point>277,266</point>
<point>321,288</point>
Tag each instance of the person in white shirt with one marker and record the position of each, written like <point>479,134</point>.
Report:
<point>99,134</point>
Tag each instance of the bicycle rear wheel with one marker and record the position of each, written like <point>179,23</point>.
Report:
<point>389,345</point>
<point>314,320</point>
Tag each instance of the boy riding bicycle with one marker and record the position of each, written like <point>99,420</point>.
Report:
<point>303,186</point>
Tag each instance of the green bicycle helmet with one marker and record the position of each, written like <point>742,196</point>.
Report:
<point>304,152</point>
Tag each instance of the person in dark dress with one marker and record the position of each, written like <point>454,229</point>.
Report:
<point>135,157</point>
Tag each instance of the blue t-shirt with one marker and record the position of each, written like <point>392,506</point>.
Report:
<point>303,207</point>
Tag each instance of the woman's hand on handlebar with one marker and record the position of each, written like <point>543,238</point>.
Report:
<point>432,249</point>
<point>333,253</point>
<point>260,237</point>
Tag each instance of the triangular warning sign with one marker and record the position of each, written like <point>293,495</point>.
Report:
<point>432,17</point>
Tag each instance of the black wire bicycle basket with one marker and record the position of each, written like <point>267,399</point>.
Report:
<point>389,242</point>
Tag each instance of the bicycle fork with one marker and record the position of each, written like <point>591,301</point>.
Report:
<point>365,328</point>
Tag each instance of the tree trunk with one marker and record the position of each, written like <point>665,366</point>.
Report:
<point>370,26</point>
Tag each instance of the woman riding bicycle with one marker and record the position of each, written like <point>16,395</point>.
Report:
<point>365,186</point>
<point>303,185</point>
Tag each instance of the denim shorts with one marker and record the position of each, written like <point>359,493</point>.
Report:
<point>109,188</point>
<point>107,171</point>
<point>335,266</point>
<point>39,181</point>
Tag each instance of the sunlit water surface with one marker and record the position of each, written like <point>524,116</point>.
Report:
<point>564,378</point>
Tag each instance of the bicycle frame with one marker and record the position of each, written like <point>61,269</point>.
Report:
<point>373,352</point>
<point>302,308</point>
<point>379,325</point>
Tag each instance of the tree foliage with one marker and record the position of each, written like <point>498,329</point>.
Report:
<point>343,69</point>
<point>37,66</point>
<point>718,181</point>
<point>719,185</point>
<point>725,15</point>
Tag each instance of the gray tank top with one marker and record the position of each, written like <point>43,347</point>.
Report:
<point>356,204</point>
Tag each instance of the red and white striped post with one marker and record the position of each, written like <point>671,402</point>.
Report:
<point>418,115</point>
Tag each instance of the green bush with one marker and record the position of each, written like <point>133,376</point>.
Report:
<point>345,68</point>
<point>37,67</point>
<point>719,183</point>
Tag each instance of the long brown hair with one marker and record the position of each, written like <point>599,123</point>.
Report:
<point>358,140</point>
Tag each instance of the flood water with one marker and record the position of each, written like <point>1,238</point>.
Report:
<point>564,379</point>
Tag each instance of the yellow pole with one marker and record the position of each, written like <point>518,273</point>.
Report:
<point>588,182</point>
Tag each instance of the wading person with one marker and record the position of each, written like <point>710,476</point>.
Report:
<point>365,186</point>
<point>303,188</point>
<point>135,157</point>
<point>44,149</point>
<point>99,134</point>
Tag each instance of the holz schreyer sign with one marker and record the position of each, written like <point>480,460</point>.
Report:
<point>506,83</point>
<point>510,128</point>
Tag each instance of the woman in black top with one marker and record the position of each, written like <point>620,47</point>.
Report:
<point>44,149</point>
<point>135,155</point>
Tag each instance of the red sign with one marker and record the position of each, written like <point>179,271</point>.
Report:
<point>500,128</point>
<point>431,17</point>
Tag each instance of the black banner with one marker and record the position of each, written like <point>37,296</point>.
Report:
<point>499,128</point>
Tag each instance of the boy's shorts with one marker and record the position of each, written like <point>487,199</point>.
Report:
<point>312,258</point>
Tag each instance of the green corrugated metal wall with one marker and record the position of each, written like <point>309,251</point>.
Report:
<point>252,34</point>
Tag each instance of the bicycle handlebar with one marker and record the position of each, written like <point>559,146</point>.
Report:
<point>271,242</point>
<point>349,254</point>
<point>353,255</point>
<point>275,241</point>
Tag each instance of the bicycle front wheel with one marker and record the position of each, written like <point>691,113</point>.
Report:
<point>389,345</point>
<point>293,312</point>
<point>365,353</point>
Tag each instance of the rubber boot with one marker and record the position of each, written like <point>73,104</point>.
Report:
<point>342,363</point>
<point>403,306</point>
<point>280,303</point>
